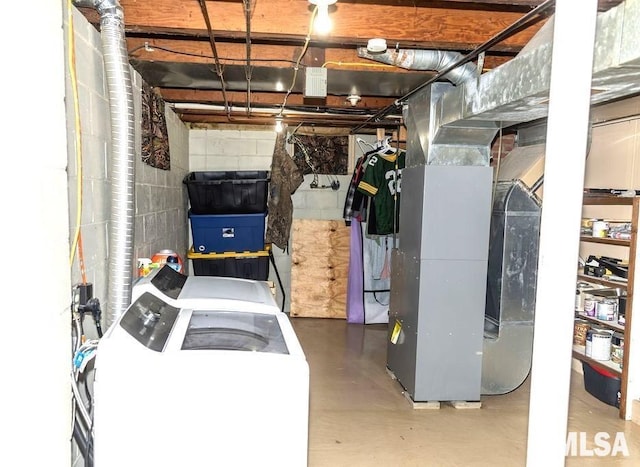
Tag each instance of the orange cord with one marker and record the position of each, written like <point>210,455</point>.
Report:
<point>81,258</point>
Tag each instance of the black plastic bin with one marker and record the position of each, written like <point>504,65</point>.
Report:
<point>228,192</point>
<point>242,264</point>
<point>256,268</point>
<point>601,384</point>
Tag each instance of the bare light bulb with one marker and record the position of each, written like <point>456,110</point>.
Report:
<point>322,24</point>
<point>279,126</point>
<point>353,99</point>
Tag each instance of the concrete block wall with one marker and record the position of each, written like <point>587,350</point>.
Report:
<point>95,135</point>
<point>241,149</point>
<point>160,195</point>
<point>250,149</point>
<point>161,200</point>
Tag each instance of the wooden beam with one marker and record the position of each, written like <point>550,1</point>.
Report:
<point>197,51</point>
<point>501,5</point>
<point>289,19</point>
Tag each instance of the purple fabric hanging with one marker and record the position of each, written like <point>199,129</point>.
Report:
<point>355,286</point>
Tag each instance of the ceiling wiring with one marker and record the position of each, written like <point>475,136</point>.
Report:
<point>297,65</point>
<point>369,65</point>
<point>212,42</point>
<point>248,69</point>
<point>150,48</point>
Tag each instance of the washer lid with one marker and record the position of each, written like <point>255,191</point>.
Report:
<point>232,330</point>
<point>226,288</point>
<point>149,320</point>
<point>207,292</point>
<point>167,280</point>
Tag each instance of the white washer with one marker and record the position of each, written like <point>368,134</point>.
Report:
<point>223,383</point>
<point>197,291</point>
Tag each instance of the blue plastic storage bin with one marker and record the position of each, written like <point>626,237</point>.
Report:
<point>218,233</point>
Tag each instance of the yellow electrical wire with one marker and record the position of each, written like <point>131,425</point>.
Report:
<point>376,65</point>
<point>76,110</point>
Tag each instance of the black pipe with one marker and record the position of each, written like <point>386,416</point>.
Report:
<point>537,184</point>
<point>93,307</point>
<point>275,268</point>
<point>465,59</point>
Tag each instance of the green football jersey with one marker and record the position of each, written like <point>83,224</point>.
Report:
<point>381,180</point>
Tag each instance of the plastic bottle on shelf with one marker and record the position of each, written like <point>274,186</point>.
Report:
<point>144,266</point>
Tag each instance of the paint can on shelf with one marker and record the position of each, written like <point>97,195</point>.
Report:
<point>606,309</point>
<point>617,348</point>
<point>598,345</point>
<point>580,329</point>
<point>580,288</point>
<point>590,303</point>
<point>600,228</point>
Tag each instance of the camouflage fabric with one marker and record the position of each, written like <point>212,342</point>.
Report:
<point>155,138</point>
<point>322,154</point>
<point>286,177</point>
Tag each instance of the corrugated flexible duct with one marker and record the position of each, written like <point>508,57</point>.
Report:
<point>436,60</point>
<point>119,88</point>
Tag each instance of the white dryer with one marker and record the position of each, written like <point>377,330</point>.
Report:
<point>221,382</point>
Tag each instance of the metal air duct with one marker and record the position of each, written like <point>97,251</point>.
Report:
<point>518,91</point>
<point>511,287</point>
<point>429,144</point>
<point>435,60</point>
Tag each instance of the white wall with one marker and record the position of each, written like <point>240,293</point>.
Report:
<point>35,408</point>
<point>242,149</point>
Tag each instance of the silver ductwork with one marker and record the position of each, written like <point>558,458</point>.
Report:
<point>511,287</point>
<point>121,225</point>
<point>429,144</point>
<point>518,91</point>
<point>435,60</point>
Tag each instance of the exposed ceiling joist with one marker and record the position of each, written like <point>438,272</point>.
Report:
<point>170,46</point>
<point>354,23</point>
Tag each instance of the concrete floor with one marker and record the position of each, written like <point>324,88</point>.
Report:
<point>359,416</point>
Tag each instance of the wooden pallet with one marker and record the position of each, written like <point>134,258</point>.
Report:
<point>435,405</point>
